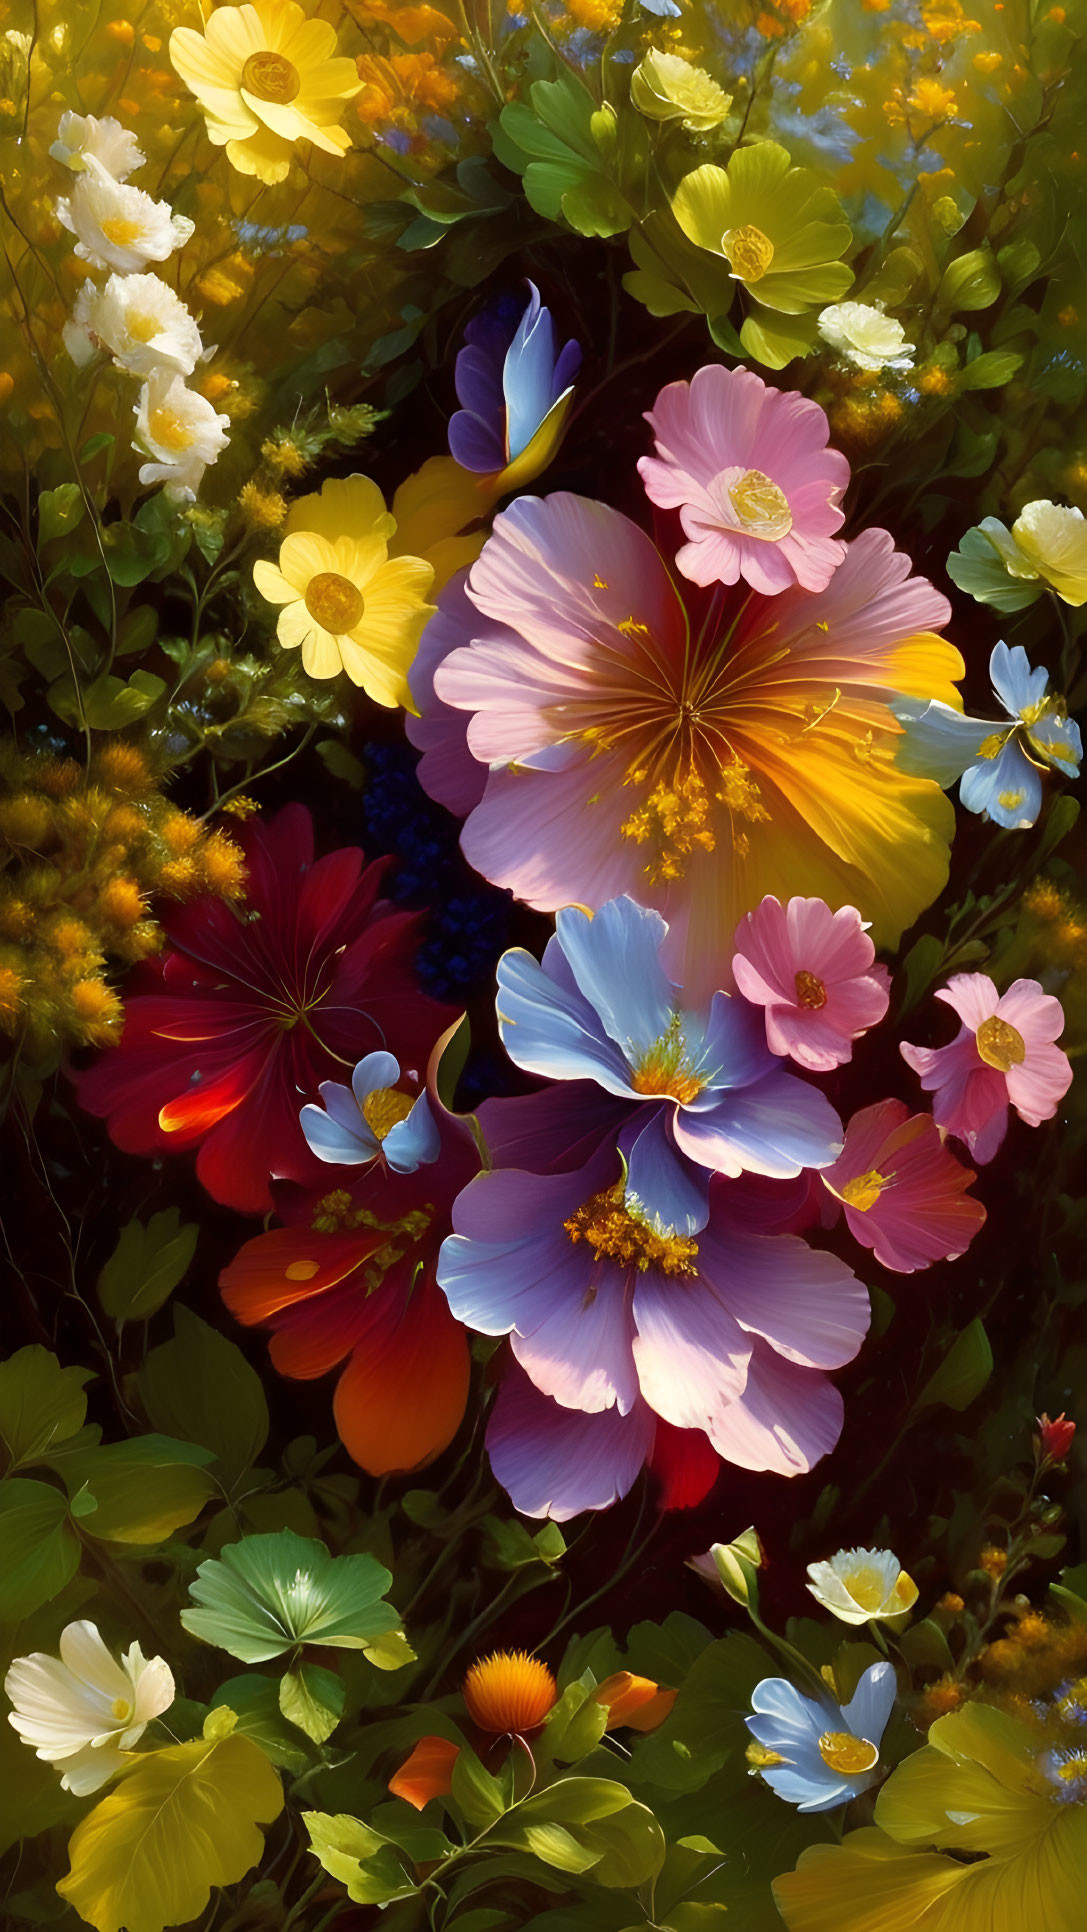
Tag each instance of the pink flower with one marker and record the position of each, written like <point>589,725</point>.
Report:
<point>812,970</point>
<point>1003,1054</point>
<point>903,1191</point>
<point>749,471</point>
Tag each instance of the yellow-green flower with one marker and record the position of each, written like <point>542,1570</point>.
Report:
<point>781,234</point>
<point>856,1585</point>
<point>987,1788</point>
<point>1047,541</point>
<point>667,88</point>
<point>345,602</point>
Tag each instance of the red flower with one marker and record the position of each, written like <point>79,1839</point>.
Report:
<point>1054,1439</point>
<point>246,1012</point>
<point>352,1276</point>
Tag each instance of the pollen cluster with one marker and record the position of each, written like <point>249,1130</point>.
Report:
<point>616,1233</point>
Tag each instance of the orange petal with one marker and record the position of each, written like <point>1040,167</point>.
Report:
<point>428,1773</point>
<point>400,1400</point>
<point>636,1702</point>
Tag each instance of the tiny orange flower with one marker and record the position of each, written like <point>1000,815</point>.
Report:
<point>634,1702</point>
<point>427,1773</point>
<point>509,1691</point>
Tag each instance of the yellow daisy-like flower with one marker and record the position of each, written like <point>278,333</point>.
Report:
<point>781,234</point>
<point>346,603</point>
<point>509,1691</point>
<point>266,77</point>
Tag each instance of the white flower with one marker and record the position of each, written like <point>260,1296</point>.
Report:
<point>857,1585</point>
<point>140,320</point>
<point>86,1710</point>
<point>117,226</point>
<point>866,337</point>
<point>82,138</point>
<point>181,431</point>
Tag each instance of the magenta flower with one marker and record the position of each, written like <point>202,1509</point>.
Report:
<point>1003,1055</point>
<point>812,970</point>
<point>903,1191</point>
<point>749,471</point>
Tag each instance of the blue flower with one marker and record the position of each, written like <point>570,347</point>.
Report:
<point>1000,765</point>
<point>514,392</point>
<point>601,1007</point>
<point>818,1754</point>
<point>373,1116</point>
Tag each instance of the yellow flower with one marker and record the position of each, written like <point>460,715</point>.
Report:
<point>780,233</point>
<point>266,77</point>
<point>509,1691</point>
<point>933,102</point>
<point>346,602</point>
<point>666,88</point>
<point>985,1789</point>
<point>1047,541</point>
<point>860,1584</point>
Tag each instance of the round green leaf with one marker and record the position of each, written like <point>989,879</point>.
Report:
<point>40,1548</point>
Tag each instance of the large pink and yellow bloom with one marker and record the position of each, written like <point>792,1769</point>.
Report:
<point>904,1193</point>
<point>696,755</point>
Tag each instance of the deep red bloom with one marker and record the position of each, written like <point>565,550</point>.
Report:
<point>1054,1438</point>
<point>234,1027</point>
<point>686,1466</point>
<point>352,1276</point>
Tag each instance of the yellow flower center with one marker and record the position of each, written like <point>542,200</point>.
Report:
<point>142,327</point>
<point>614,1233</point>
<point>763,509</point>
<point>866,1587</point>
<point>1000,1045</point>
<point>810,991</point>
<point>169,430</point>
<point>121,1709</point>
<point>270,77</point>
<point>383,1108</point>
<point>334,602</point>
<point>843,1752</point>
<point>665,1067</point>
<point>993,745</point>
<point>863,1191</point>
<point>118,230</point>
<point>748,251</point>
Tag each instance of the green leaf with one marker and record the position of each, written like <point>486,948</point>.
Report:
<point>580,1824</point>
<point>40,1548</point>
<point>920,967</point>
<point>736,1564</point>
<point>575,1725</point>
<point>991,370</point>
<point>146,1265</point>
<point>255,1702</point>
<point>40,1403</point>
<point>137,630</point>
<point>267,1594</point>
<point>370,1866</point>
<point>705,1726</point>
<point>479,1796</point>
<point>313,1699</point>
<point>201,1388</point>
<point>970,282</point>
<point>110,703</point>
<point>342,763</point>
<point>94,444</point>
<point>775,339</point>
<point>59,512</point>
<point>182,1821</point>
<point>143,1489</point>
<point>963,1372</point>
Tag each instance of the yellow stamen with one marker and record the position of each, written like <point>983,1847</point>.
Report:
<point>810,991</point>
<point>168,430</point>
<point>763,509</point>
<point>748,251</point>
<point>271,77</point>
<point>119,231</point>
<point>665,1067</point>
<point>382,1109</point>
<point>673,822</point>
<point>864,1190</point>
<point>615,1233</point>
<point>334,602</point>
<point>999,1044</point>
<point>142,327</point>
<point>121,1709</point>
<point>866,1587</point>
<point>843,1752</point>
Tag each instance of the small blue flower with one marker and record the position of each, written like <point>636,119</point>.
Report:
<point>601,1007</point>
<point>373,1116</point>
<point>510,384</point>
<point>818,1754</point>
<point>1000,764</point>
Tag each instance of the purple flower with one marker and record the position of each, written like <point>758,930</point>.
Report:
<point>511,385</point>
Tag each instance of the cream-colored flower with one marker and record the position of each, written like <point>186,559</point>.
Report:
<point>86,1710</point>
<point>1047,541</point>
<point>180,431</point>
<point>117,226</point>
<point>83,137</point>
<point>141,322</point>
<point>266,77</point>
<point>667,88</point>
<point>866,337</point>
<point>346,603</point>
<point>857,1585</point>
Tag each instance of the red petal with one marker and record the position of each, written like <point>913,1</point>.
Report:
<point>428,1773</point>
<point>401,1398</point>
<point>685,1464</point>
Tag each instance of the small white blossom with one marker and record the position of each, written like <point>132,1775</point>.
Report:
<point>857,1585</point>
<point>866,337</point>
<point>180,431</point>
<point>82,138</point>
<point>142,323</point>
<point>85,1710</point>
<point>117,226</point>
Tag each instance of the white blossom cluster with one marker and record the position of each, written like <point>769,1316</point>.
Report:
<point>135,316</point>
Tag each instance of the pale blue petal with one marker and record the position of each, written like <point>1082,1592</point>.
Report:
<point>412,1142</point>
<point>615,959</point>
<point>1015,684</point>
<point>777,1127</point>
<point>734,1051</point>
<point>528,375</point>
<point>551,1029</point>
<point>1058,741</point>
<point>777,1697</point>
<point>870,1706</point>
<point>938,743</point>
<point>331,1141</point>
<point>1007,787</point>
<point>669,1192</point>
<point>375,1071</point>
<point>809,1793</point>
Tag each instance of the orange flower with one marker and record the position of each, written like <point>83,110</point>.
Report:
<point>636,1702</point>
<point>509,1691</point>
<point>427,1773</point>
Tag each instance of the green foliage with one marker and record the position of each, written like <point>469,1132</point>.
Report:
<point>41,1404</point>
<point>41,1549</point>
<point>963,1372</point>
<point>578,162</point>
<point>268,1595</point>
<point>200,1387</point>
<point>148,1263</point>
